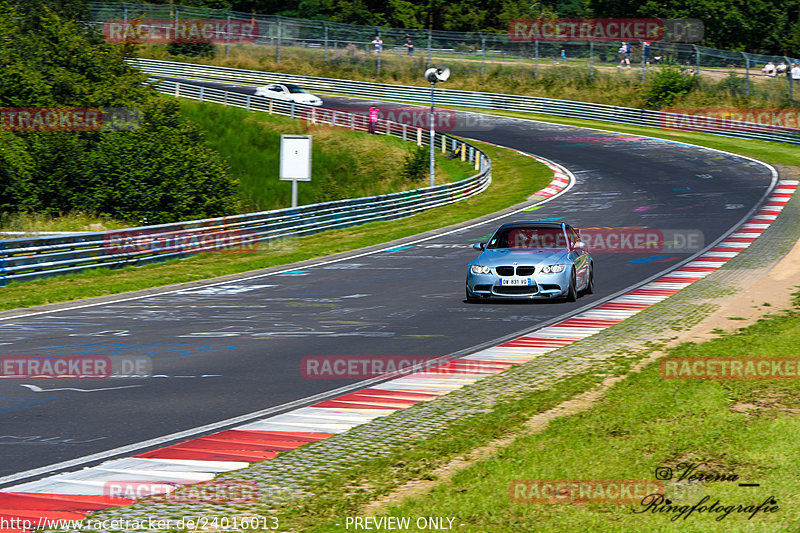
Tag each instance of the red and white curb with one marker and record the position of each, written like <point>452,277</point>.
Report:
<point>73,495</point>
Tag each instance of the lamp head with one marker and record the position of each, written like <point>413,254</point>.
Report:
<point>437,74</point>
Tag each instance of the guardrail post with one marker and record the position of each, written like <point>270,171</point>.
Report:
<point>177,89</point>
<point>291,110</point>
<point>201,94</point>
<point>325,40</point>
<point>405,128</point>
<point>333,118</point>
<point>225,99</point>
<point>430,50</point>
<point>228,37</point>
<point>278,51</point>
<point>483,54</point>
<point>388,128</point>
<point>352,122</point>
<point>378,64</point>
<point>444,143</point>
<point>270,106</point>
<point>419,136</point>
<point>463,152</point>
<point>478,162</point>
<point>313,115</point>
<point>746,74</point>
<point>247,103</point>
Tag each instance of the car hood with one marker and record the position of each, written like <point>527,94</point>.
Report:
<point>505,256</point>
<point>305,98</point>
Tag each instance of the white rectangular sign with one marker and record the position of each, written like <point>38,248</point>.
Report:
<point>296,157</point>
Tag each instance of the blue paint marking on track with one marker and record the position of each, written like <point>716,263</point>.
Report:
<point>397,248</point>
<point>23,402</point>
<point>654,259</point>
<point>551,219</point>
<point>682,189</point>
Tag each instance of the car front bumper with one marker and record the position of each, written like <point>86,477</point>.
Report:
<point>544,286</point>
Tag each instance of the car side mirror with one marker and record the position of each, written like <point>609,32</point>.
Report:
<point>579,246</point>
<point>479,245</point>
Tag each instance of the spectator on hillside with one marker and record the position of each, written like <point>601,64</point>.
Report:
<point>646,53</point>
<point>781,68</point>
<point>625,50</point>
<point>769,69</point>
<point>378,43</point>
<point>410,45</point>
<point>796,72</point>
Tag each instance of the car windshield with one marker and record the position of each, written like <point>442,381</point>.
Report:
<point>529,237</point>
<point>294,89</point>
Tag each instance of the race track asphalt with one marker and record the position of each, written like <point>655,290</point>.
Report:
<point>225,351</point>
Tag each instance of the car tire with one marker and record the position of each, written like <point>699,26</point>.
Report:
<point>572,292</point>
<point>471,298</point>
<point>590,284</point>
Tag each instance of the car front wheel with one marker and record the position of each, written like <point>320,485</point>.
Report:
<point>471,297</point>
<point>590,284</point>
<point>572,292</point>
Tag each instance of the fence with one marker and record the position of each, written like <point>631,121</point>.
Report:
<point>488,101</point>
<point>328,42</point>
<point>31,258</point>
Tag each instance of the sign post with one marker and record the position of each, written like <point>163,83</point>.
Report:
<point>295,161</point>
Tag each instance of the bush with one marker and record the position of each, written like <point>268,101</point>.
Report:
<point>670,83</point>
<point>417,165</point>
<point>191,49</point>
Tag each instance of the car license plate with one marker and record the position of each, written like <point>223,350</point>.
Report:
<point>516,281</point>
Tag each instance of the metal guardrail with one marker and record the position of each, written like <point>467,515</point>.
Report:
<point>480,100</point>
<point>31,258</point>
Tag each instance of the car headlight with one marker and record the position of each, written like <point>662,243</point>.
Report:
<point>478,269</point>
<point>553,269</point>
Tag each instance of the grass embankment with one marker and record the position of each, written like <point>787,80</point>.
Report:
<point>568,80</point>
<point>514,178</point>
<point>745,428</point>
<point>345,164</point>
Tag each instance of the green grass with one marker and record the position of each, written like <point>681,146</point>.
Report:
<point>515,177</point>
<point>345,164</point>
<point>747,428</point>
<point>73,222</point>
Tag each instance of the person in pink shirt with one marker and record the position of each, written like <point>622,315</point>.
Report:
<point>373,118</point>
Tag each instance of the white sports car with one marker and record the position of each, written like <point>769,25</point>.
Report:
<point>289,92</point>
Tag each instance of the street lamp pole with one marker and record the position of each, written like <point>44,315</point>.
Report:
<point>433,75</point>
<point>432,134</point>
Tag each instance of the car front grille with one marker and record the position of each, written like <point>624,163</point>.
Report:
<point>520,270</point>
<point>530,289</point>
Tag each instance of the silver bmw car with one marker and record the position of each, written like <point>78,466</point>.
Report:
<point>531,260</point>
